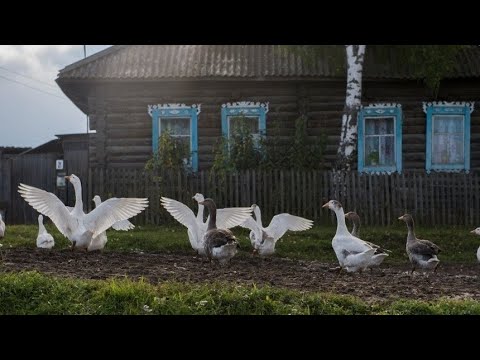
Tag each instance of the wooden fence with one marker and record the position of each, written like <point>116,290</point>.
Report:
<point>433,199</point>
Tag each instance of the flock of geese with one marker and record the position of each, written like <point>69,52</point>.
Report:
<point>212,238</point>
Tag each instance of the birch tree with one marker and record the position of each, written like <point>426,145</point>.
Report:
<point>353,100</point>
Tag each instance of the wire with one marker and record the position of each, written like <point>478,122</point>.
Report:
<point>29,77</point>
<point>31,87</point>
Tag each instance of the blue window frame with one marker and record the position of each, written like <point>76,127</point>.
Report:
<point>448,136</point>
<point>254,114</point>
<point>182,123</point>
<point>380,138</point>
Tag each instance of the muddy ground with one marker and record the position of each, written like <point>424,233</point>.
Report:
<point>387,283</point>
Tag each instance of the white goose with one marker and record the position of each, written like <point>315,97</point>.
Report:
<point>44,239</point>
<point>477,232</point>
<point>2,227</point>
<point>99,242</point>
<point>353,254</point>
<point>264,239</point>
<point>353,216</point>
<point>77,226</point>
<point>226,219</point>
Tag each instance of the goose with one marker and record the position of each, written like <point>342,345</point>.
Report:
<point>422,253</point>
<point>353,254</point>
<point>2,227</point>
<point>219,244</point>
<point>99,242</point>
<point>44,239</point>
<point>77,226</point>
<point>264,239</point>
<point>353,216</point>
<point>477,232</point>
<point>196,227</point>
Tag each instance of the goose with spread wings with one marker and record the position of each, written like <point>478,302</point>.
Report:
<point>264,239</point>
<point>196,228</point>
<point>78,227</point>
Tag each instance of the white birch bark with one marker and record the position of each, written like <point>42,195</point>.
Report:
<point>348,136</point>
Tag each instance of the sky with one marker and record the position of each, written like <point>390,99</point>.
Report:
<point>33,109</point>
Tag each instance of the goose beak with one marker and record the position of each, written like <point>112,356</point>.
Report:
<point>472,232</point>
<point>67,178</point>
<point>255,252</point>
<point>400,218</point>
<point>325,205</point>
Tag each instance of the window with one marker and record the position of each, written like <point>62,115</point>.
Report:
<point>380,138</point>
<point>252,114</point>
<point>448,136</point>
<point>180,121</point>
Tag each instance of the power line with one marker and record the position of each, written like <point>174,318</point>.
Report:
<point>31,87</point>
<point>29,77</point>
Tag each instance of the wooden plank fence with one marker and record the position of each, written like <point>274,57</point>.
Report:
<point>433,199</point>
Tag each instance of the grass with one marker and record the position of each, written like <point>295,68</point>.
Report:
<point>34,293</point>
<point>458,245</point>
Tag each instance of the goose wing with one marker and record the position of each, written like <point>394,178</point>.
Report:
<point>281,223</point>
<point>230,217</point>
<point>181,212</point>
<point>123,225</point>
<point>425,247</point>
<point>49,205</point>
<point>109,212</point>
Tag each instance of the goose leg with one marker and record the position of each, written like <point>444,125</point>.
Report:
<point>435,268</point>
<point>413,269</point>
<point>73,245</point>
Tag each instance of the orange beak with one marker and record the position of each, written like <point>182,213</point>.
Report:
<point>325,205</point>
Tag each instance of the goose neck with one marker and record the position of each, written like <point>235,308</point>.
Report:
<point>258,216</point>
<point>78,198</point>
<point>341,225</point>
<point>212,222</point>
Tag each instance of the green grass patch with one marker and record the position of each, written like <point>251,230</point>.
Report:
<point>34,293</point>
<point>458,245</point>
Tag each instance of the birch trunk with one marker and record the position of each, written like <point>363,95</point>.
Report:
<point>348,136</point>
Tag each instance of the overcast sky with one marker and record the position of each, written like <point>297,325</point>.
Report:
<point>33,112</point>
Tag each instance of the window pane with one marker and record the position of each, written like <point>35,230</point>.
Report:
<point>176,126</point>
<point>250,123</point>
<point>379,151</point>
<point>448,124</point>
<point>447,149</point>
<point>387,150</point>
<point>379,126</point>
<point>371,151</point>
<point>448,139</point>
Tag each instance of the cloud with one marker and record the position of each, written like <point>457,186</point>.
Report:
<point>32,107</point>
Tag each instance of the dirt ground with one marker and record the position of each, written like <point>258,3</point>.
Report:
<point>388,283</point>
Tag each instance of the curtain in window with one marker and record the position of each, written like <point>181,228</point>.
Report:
<point>448,139</point>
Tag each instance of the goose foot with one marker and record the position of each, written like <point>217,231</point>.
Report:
<point>338,268</point>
